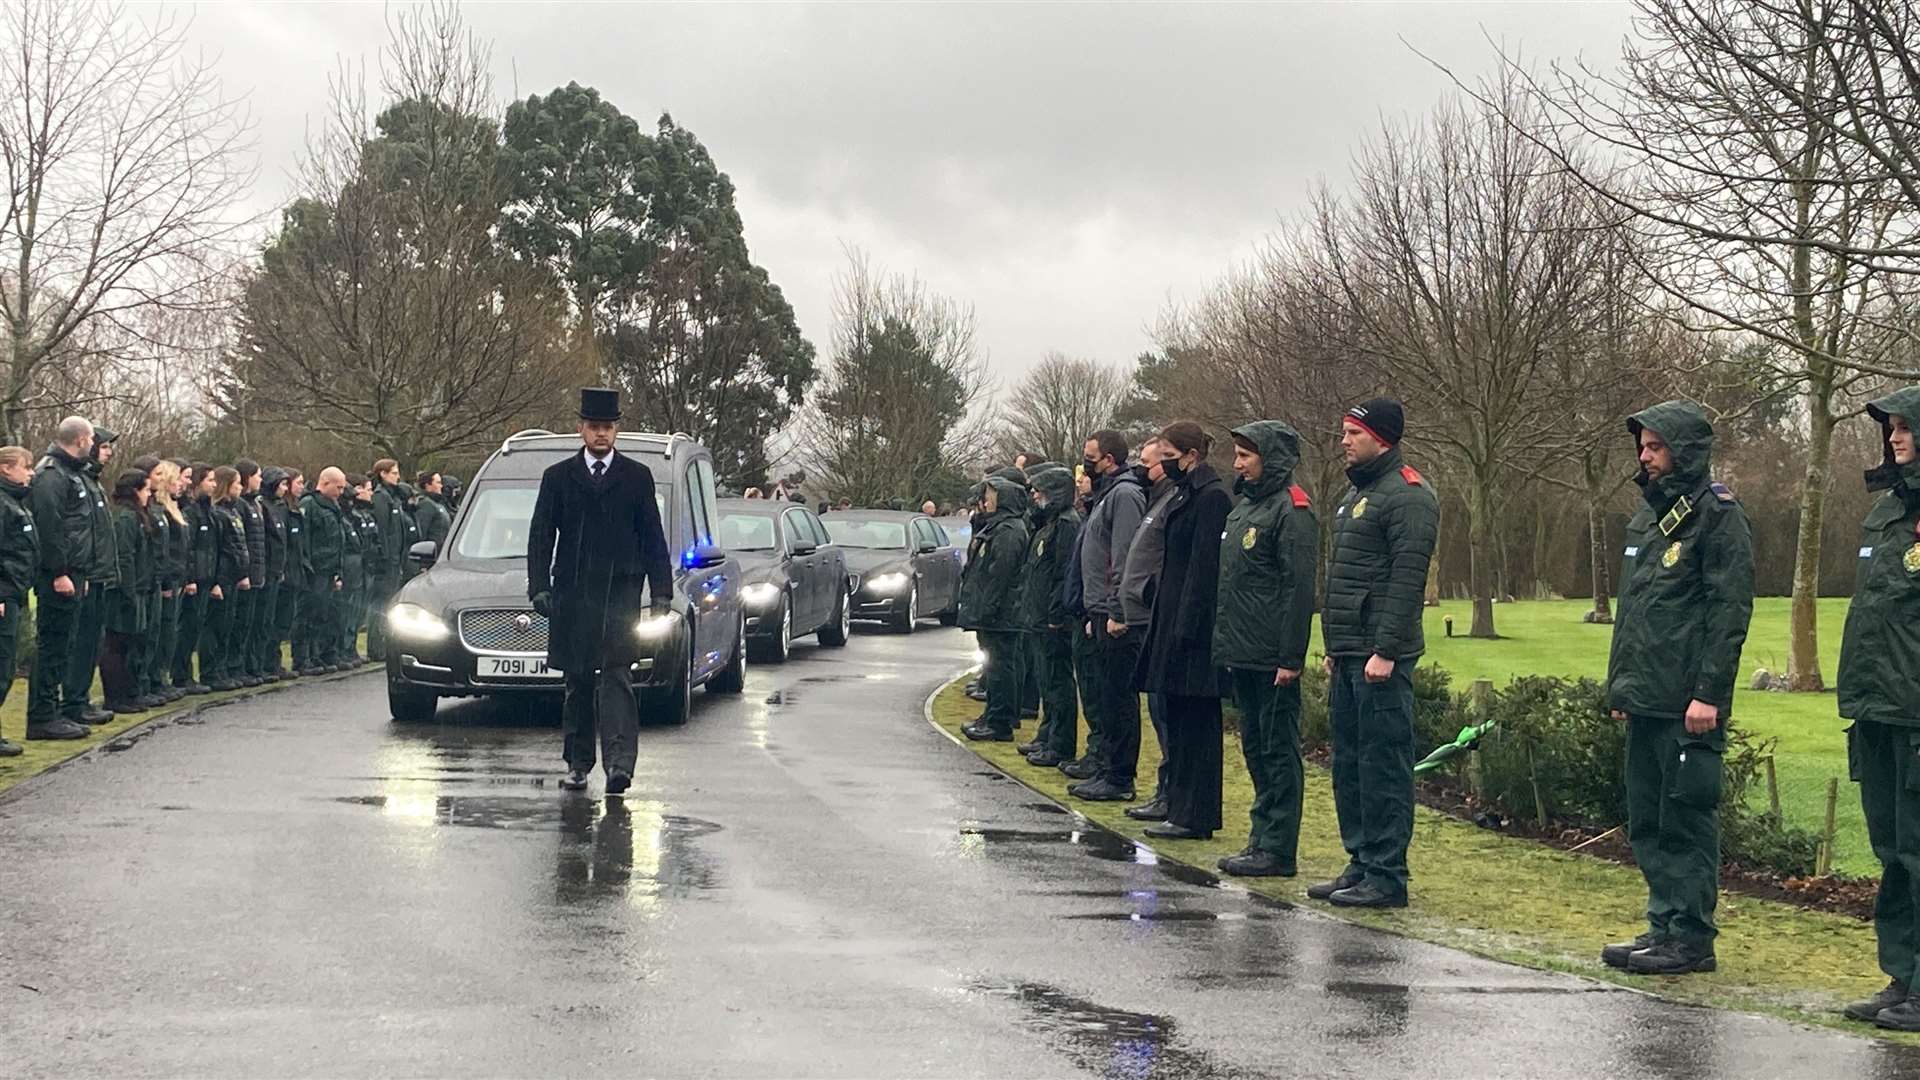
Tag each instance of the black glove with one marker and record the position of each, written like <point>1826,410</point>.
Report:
<point>543,603</point>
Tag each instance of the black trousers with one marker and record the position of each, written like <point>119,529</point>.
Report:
<point>53,624</point>
<point>1194,761</point>
<point>1119,708</point>
<point>264,646</point>
<point>601,703</point>
<point>89,624</point>
<point>1157,712</point>
<point>1059,697</point>
<point>186,641</point>
<point>10,622</point>
<point>216,638</point>
<point>119,662</point>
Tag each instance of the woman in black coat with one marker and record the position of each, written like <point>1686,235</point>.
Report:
<point>1177,659</point>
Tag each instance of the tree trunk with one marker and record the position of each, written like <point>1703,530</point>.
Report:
<point>1481,554</point>
<point>1803,654</point>
<point>1597,544</point>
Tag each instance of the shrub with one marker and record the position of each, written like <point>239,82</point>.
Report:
<point>1554,737</point>
<point>1436,714</point>
<point>1753,837</point>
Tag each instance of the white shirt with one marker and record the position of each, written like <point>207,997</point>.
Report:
<point>605,462</point>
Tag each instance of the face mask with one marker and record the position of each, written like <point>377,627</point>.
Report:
<point>1092,466</point>
<point>1172,468</point>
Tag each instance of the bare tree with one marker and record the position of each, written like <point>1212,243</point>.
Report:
<point>385,312</point>
<point>902,409</point>
<point>1060,402</point>
<point>125,162</point>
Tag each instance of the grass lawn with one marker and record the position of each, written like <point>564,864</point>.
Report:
<point>1548,638</point>
<point>1511,899</point>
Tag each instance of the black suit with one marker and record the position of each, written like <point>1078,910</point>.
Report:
<point>593,545</point>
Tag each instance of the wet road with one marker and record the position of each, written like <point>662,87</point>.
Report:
<point>804,881</point>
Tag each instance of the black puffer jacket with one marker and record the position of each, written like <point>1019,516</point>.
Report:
<point>1383,536</point>
<point>63,515</point>
<point>231,559</point>
<point>273,522</point>
<point>1177,657</point>
<point>255,520</point>
<point>203,549</point>
<point>19,543</point>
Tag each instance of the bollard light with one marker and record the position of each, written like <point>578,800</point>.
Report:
<point>1449,621</point>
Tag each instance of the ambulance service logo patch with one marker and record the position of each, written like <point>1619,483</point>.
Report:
<point>1671,556</point>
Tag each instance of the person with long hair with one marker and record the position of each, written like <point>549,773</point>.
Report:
<point>289,613</point>
<point>126,602</point>
<point>197,592</point>
<point>170,554</point>
<point>1176,659</point>
<point>272,587</point>
<point>19,558</point>
<point>230,567</point>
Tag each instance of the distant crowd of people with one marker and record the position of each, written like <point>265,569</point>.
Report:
<point>173,577</point>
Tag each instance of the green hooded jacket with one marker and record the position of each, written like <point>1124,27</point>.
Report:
<point>1052,547</point>
<point>1269,561</point>
<point>128,603</point>
<point>990,585</point>
<point>1686,590</point>
<point>1383,536</point>
<point>1879,677</point>
<point>326,531</point>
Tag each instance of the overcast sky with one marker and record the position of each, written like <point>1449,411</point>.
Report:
<point>1067,169</point>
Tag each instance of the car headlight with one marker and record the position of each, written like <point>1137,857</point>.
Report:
<point>416,622</point>
<point>760,594</point>
<point>655,627</point>
<point>887,582</point>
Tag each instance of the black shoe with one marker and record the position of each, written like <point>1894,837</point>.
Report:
<point>1101,789</point>
<point>131,708</point>
<point>196,689</point>
<point>976,693</point>
<point>1326,889</point>
<point>1043,758</point>
<point>1674,958</point>
<point>252,681</point>
<point>618,782</point>
<point>1615,956</point>
<point>982,733</point>
<point>11,749</point>
<point>59,729</point>
<point>1151,811</point>
<point>1865,1011</point>
<point>221,686</point>
<point>1367,894</point>
<point>1902,1017</point>
<point>1029,714</point>
<point>575,781</point>
<point>1221,863</point>
<point>1028,749</point>
<point>281,674</point>
<point>152,701</point>
<point>307,672</point>
<point>95,715</point>
<point>1258,864</point>
<point>1167,830</point>
<point>1084,769</point>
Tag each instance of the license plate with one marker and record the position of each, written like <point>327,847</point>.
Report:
<point>515,667</point>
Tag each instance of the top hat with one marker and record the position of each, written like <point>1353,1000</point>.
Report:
<point>599,403</point>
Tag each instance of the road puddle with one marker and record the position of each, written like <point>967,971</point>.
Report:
<point>1111,1043</point>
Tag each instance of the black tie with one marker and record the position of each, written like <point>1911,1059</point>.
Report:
<point>599,470</point>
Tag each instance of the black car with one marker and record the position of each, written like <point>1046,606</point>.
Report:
<point>905,567</point>
<point>464,627</point>
<point>795,578</point>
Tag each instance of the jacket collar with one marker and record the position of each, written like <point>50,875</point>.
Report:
<point>1367,472</point>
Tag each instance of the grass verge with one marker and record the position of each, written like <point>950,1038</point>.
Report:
<point>1508,899</point>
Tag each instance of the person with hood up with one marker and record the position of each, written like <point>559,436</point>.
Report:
<point>1879,656</point>
<point>1176,659</point>
<point>1383,537</point>
<point>19,561</point>
<point>91,626</point>
<point>126,602</point>
<point>63,517</point>
<point>1269,569</point>
<point>1045,617</point>
<point>1686,595</point>
<point>1116,501</point>
<point>989,603</point>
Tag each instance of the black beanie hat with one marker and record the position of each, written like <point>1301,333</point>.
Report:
<point>1382,417</point>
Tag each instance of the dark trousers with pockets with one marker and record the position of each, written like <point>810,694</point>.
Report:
<point>600,712</point>
<point>1157,713</point>
<point>1059,696</point>
<point>89,625</point>
<point>119,660</point>
<point>1885,759</point>
<point>1086,674</point>
<point>1029,675</point>
<point>10,622</point>
<point>1195,761</point>
<point>1373,769</point>
<point>157,671</point>
<point>1270,743</point>
<point>216,638</point>
<point>1002,677</point>
<point>380,589</point>
<point>193,613</point>
<point>286,622</point>
<point>53,625</point>
<point>1673,823</point>
<point>1115,657</point>
<point>263,648</point>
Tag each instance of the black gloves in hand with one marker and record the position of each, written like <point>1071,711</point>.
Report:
<point>543,603</point>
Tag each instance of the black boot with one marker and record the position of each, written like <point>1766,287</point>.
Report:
<point>1367,894</point>
<point>1167,830</point>
<point>1671,958</point>
<point>576,780</point>
<point>1043,758</point>
<point>1028,749</point>
<point>93,714</point>
<point>1258,864</point>
<point>1084,769</point>
<point>1347,880</point>
<point>1869,1010</point>
<point>1153,811</point>
<point>1615,955</point>
<point>982,733</point>
<point>58,729</point>
<point>11,749</point>
<point>1902,1017</point>
<point>1101,789</point>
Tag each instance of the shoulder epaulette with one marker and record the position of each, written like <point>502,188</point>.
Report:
<point>1722,492</point>
<point>1411,475</point>
<point>1300,498</point>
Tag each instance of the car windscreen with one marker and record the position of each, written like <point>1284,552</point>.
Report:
<point>497,516</point>
<point>747,532</point>
<point>876,535</point>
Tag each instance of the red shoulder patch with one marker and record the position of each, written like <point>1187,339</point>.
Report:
<point>1411,475</point>
<point>1299,494</point>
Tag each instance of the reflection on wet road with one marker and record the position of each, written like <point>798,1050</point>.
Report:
<point>806,880</point>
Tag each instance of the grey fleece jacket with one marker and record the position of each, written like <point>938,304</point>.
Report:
<point>1106,538</point>
<point>1146,557</point>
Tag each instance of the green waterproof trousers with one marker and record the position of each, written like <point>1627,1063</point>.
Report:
<point>1270,743</point>
<point>1059,694</point>
<point>1004,649</point>
<point>1673,823</point>
<point>1885,759</point>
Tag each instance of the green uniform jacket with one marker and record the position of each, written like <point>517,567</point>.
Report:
<point>360,555</point>
<point>1383,537</point>
<point>106,559</point>
<point>128,603</point>
<point>1269,561</point>
<point>1880,650</point>
<point>299,569</point>
<point>19,543</point>
<point>203,549</point>
<point>169,540</point>
<point>990,585</point>
<point>433,519</point>
<point>393,523</point>
<point>326,533</point>
<point>1686,589</point>
<point>232,560</point>
<point>1053,545</point>
<point>63,515</point>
